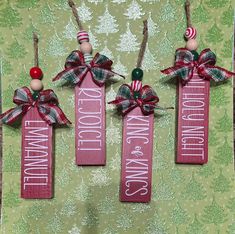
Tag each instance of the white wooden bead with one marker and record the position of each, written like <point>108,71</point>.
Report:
<point>86,47</point>
<point>36,85</point>
<point>88,58</point>
<point>191,44</point>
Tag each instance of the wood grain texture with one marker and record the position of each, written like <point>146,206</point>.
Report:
<point>137,152</point>
<point>90,145</point>
<point>193,121</point>
<point>36,160</point>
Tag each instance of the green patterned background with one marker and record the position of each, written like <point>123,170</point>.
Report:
<point>186,199</point>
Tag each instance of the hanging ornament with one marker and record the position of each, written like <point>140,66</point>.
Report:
<point>88,74</point>
<point>194,70</point>
<point>137,104</point>
<point>39,110</point>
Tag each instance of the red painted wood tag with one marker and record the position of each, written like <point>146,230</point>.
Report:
<point>193,120</point>
<point>90,123</point>
<point>137,151</point>
<point>36,160</point>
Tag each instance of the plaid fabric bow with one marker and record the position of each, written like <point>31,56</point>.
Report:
<point>76,69</point>
<point>185,66</point>
<point>126,102</point>
<point>47,105</point>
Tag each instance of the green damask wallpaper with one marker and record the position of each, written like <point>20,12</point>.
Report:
<point>186,199</point>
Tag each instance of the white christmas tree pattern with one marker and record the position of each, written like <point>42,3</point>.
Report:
<point>161,162</point>
<point>62,5</point>
<point>107,23</point>
<point>140,207</point>
<point>156,225</point>
<point>124,221</point>
<point>95,1</point>
<point>153,28</point>
<point>149,61</point>
<point>106,51</point>
<point>150,1</point>
<point>84,12</point>
<point>55,46</point>
<point>71,101</point>
<point>168,12</point>
<point>118,1</point>
<point>55,224</point>
<point>70,30</point>
<point>110,96</point>
<point>47,15</point>
<point>163,191</point>
<point>93,39</point>
<point>82,192</point>
<point>69,208</point>
<point>115,162</point>
<point>113,134</point>
<point>110,230</point>
<point>134,11</point>
<point>120,68</point>
<point>91,218</point>
<point>128,41</point>
<point>74,230</point>
<point>106,206</point>
<point>165,46</point>
<point>63,177</point>
<point>100,177</point>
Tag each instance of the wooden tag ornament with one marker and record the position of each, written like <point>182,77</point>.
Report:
<point>194,72</point>
<point>137,104</point>
<point>88,74</point>
<point>39,111</point>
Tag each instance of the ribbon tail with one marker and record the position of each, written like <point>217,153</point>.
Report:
<point>72,76</point>
<point>174,71</point>
<point>169,71</point>
<point>227,74</point>
<point>52,114</point>
<point>216,73</point>
<point>115,73</point>
<point>59,76</point>
<point>114,102</point>
<point>129,109</point>
<point>184,71</point>
<point>61,117</point>
<point>124,107</point>
<point>12,115</point>
<point>101,75</point>
<point>164,108</point>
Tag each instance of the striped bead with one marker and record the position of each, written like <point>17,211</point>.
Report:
<point>190,33</point>
<point>82,36</point>
<point>88,58</point>
<point>136,85</point>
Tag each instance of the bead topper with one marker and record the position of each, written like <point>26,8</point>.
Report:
<point>36,72</point>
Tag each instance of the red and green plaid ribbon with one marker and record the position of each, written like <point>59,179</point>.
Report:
<point>76,69</point>
<point>185,66</point>
<point>126,102</point>
<point>47,105</point>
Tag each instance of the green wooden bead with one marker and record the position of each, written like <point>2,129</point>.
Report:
<point>195,55</point>
<point>137,74</point>
<point>35,95</point>
<point>136,94</point>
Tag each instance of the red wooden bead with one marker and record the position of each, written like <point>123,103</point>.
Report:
<point>36,73</point>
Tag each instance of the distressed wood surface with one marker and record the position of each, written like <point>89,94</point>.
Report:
<point>37,159</point>
<point>90,145</point>
<point>137,152</point>
<point>193,121</point>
